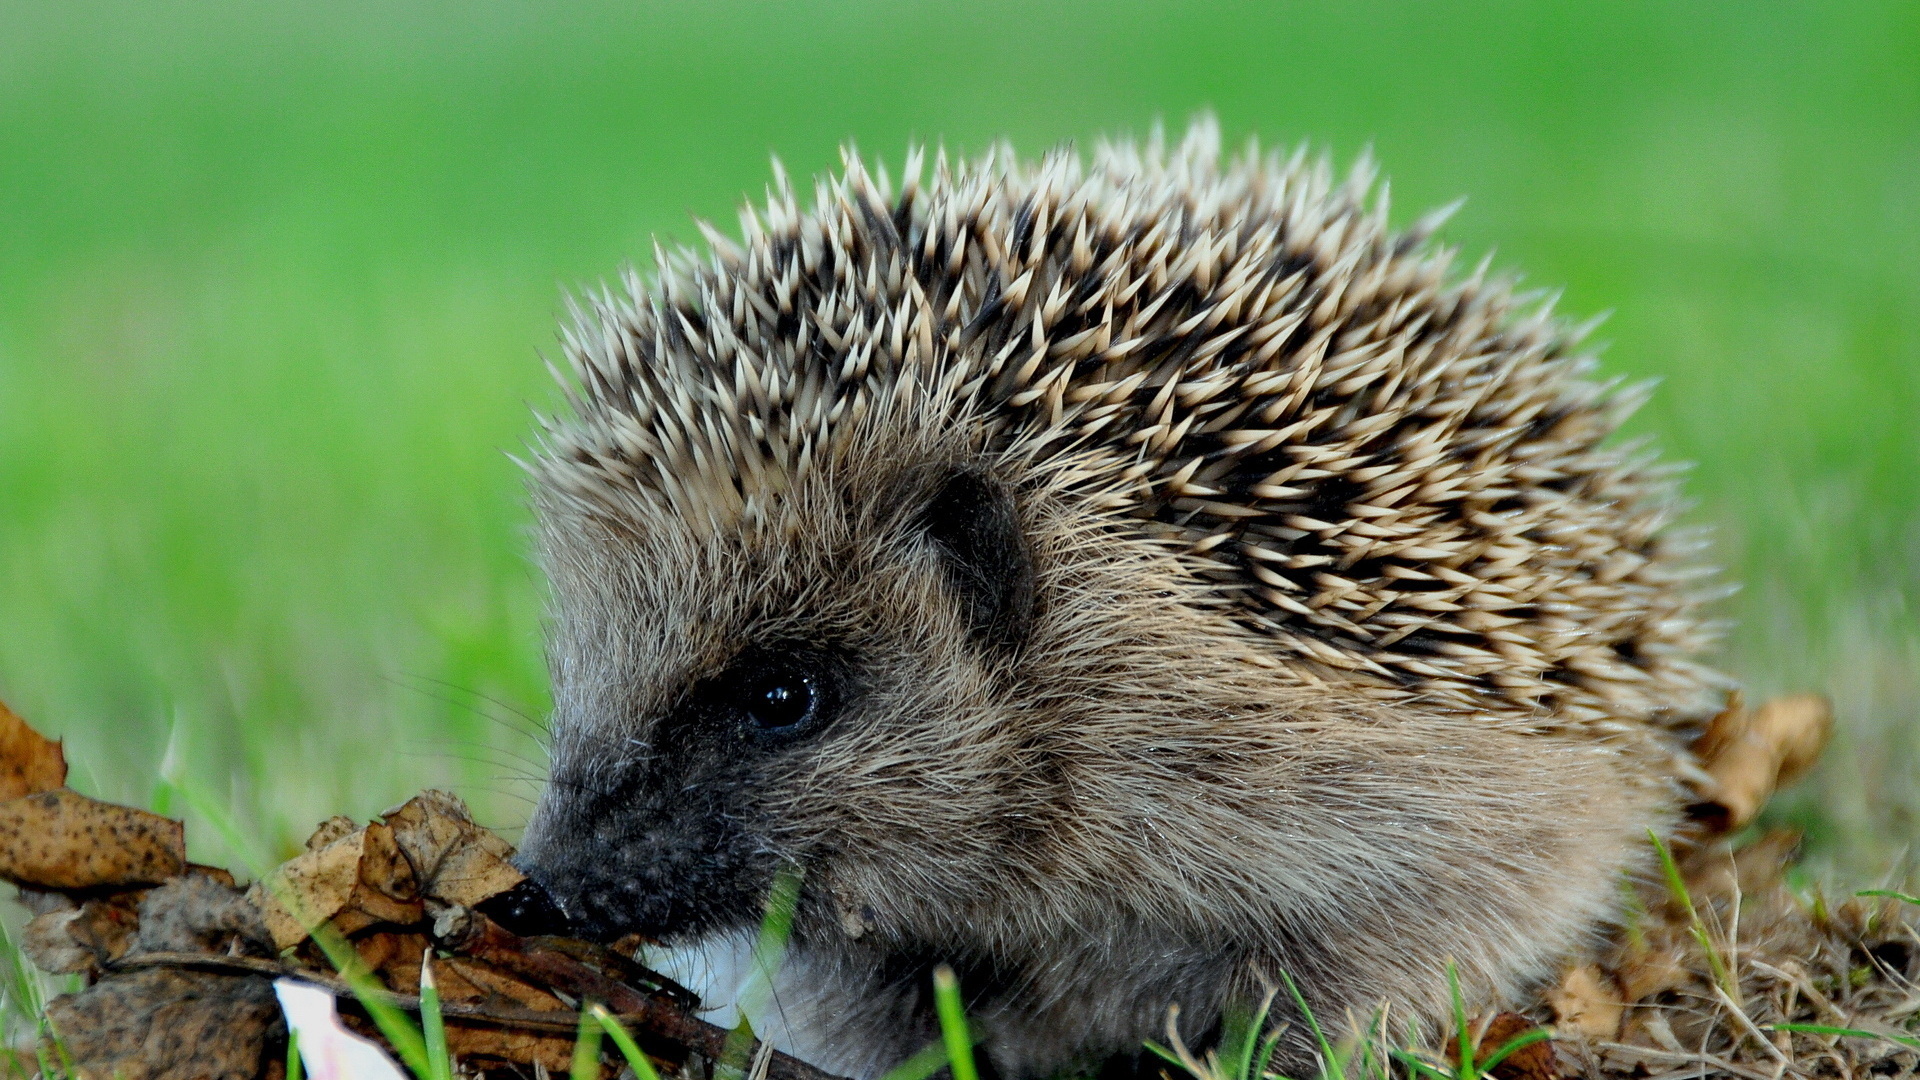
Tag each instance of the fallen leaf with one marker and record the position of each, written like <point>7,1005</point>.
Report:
<point>476,1044</point>
<point>351,882</point>
<point>83,939</point>
<point>213,873</point>
<point>386,891</point>
<point>462,978</point>
<point>29,761</point>
<point>1649,1027</point>
<point>1586,1003</point>
<point>307,890</point>
<point>327,1048</point>
<point>1750,755</point>
<point>61,839</point>
<point>200,913</point>
<point>538,960</point>
<point>1649,971</point>
<point>454,860</point>
<point>1534,1061</point>
<point>394,957</point>
<point>330,830</point>
<point>1713,872</point>
<point>52,947</point>
<point>167,1024</point>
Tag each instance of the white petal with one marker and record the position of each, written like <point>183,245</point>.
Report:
<point>328,1049</point>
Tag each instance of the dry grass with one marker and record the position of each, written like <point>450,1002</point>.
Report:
<point>1791,957</point>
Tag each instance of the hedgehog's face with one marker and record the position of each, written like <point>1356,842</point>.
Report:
<point>807,690</point>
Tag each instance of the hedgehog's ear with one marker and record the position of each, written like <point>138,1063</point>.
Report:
<point>971,519</point>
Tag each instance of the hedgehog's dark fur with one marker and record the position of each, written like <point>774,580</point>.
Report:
<point>1194,583</point>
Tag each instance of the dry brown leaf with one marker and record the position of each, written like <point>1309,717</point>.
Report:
<point>454,860</point>
<point>1714,872</point>
<point>1531,1062</point>
<point>83,939</point>
<point>316,886</point>
<point>395,958</point>
<point>29,761</point>
<point>462,978</point>
<point>200,913</point>
<point>386,892</point>
<point>168,1024</point>
<point>216,874</point>
<point>1586,1002</point>
<point>328,831</point>
<point>384,867</point>
<point>474,1044</point>
<point>1761,864</point>
<point>51,945</point>
<point>351,882</point>
<point>63,840</point>
<point>1749,755</point>
<point>1649,971</point>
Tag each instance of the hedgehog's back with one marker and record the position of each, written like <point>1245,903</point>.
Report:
<point>1395,479</point>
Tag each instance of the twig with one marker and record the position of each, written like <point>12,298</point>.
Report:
<point>1746,1024</point>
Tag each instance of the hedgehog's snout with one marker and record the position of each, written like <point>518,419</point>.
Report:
<point>663,843</point>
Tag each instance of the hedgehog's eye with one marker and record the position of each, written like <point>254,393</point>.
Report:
<point>775,692</point>
<point>779,700</point>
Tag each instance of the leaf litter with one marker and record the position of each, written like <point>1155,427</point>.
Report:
<point>1733,974</point>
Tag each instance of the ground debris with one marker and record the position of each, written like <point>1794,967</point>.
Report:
<point>1712,984</point>
<point>352,882</point>
<point>29,761</point>
<point>1493,1035</point>
<point>180,963</point>
<point>455,861</point>
<point>62,840</point>
<point>171,1023</point>
<point>1749,754</point>
<point>1665,1001</point>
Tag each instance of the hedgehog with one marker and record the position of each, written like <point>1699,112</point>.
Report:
<point>1132,583</point>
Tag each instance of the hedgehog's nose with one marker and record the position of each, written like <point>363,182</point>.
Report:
<point>528,910</point>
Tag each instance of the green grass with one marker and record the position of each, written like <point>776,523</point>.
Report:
<point>273,278</point>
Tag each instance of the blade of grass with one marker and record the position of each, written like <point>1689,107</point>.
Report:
<point>1678,886</point>
<point>1155,1047</point>
<point>1906,898</point>
<point>1265,1058</point>
<point>1464,1068</point>
<point>921,1065</point>
<point>296,1066</point>
<point>46,1065</point>
<point>637,1059</point>
<point>1372,1065</point>
<point>769,954</point>
<point>586,1048</point>
<point>953,1024</point>
<point>66,1059</point>
<point>1518,1042</point>
<point>1247,1043</point>
<point>433,1023</point>
<point>1851,1033</point>
<point>1330,1060</point>
<point>23,990</point>
<point>1419,1067</point>
<point>1180,1054</point>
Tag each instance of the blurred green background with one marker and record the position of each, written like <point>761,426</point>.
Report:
<point>274,278</point>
